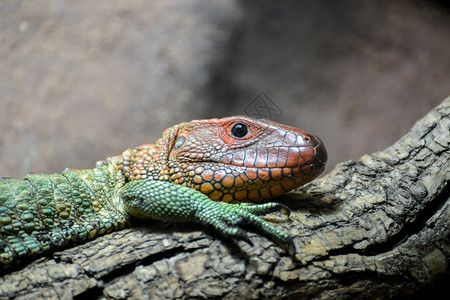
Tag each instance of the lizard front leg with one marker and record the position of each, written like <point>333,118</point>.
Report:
<point>165,201</point>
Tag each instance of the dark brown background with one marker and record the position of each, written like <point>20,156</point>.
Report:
<point>83,80</point>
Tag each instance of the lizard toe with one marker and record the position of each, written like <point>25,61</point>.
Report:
<point>261,209</point>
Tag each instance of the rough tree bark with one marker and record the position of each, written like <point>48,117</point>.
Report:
<point>376,227</point>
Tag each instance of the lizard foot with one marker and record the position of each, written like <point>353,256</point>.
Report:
<point>227,218</point>
<point>161,200</point>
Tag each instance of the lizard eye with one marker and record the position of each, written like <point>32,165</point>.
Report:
<point>179,142</point>
<point>239,130</point>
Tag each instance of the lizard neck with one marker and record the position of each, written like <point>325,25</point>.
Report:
<point>145,162</point>
<point>151,161</point>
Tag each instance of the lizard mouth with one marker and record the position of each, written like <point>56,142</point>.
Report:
<point>254,176</point>
<point>270,157</point>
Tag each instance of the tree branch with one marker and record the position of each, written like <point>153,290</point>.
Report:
<point>376,227</point>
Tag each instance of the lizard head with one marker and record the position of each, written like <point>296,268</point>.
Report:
<point>230,159</point>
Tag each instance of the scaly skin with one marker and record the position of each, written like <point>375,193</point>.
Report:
<point>229,160</point>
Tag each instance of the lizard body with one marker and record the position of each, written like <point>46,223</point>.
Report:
<point>230,160</point>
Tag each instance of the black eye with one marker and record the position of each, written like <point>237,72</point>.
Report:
<point>239,130</point>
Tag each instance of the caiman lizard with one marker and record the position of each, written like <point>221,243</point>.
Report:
<point>208,171</point>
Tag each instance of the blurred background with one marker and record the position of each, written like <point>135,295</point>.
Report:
<point>84,80</point>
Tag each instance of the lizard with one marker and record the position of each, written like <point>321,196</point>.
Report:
<point>218,172</point>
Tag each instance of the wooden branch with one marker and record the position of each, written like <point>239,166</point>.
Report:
<point>378,227</point>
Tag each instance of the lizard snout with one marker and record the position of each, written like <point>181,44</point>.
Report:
<point>320,153</point>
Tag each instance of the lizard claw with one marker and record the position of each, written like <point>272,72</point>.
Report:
<point>242,235</point>
<point>285,210</point>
